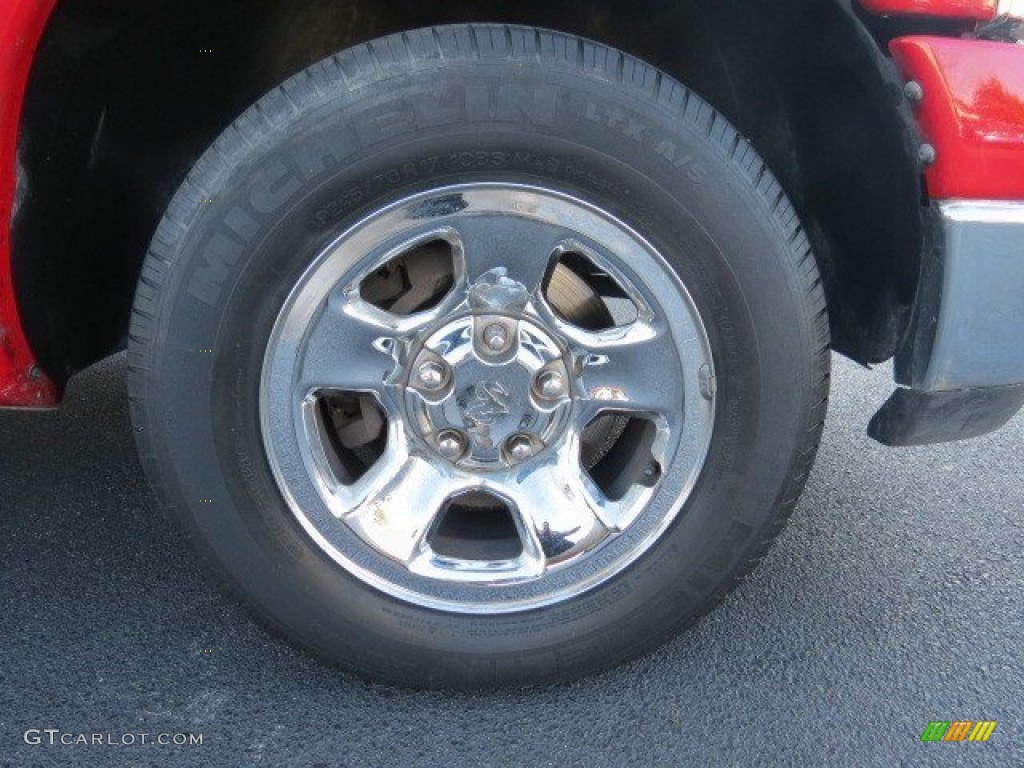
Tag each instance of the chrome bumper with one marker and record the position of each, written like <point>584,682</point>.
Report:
<point>962,363</point>
<point>969,323</point>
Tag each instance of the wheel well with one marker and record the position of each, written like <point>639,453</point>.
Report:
<point>124,98</point>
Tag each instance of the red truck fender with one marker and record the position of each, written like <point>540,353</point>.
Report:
<point>22,383</point>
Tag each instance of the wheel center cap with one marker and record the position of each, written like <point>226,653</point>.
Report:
<point>489,391</point>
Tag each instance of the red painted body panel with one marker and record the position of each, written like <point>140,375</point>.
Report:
<point>972,113</point>
<point>983,10</point>
<point>21,25</point>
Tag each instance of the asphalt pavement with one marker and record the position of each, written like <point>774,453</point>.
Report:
<point>893,599</point>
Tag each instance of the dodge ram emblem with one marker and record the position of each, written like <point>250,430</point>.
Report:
<point>486,402</point>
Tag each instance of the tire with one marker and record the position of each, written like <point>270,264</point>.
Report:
<point>515,131</point>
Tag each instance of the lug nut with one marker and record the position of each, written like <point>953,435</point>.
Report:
<point>451,444</point>
<point>496,337</point>
<point>519,447</point>
<point>550,385</point>
<point>432,375</point>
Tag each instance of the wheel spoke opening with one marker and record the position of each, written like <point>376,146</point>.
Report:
<point>616,451</point>
<point>353,433</point>
<point>415,280</point>
<point>583,294</point>
<point>479,526</point>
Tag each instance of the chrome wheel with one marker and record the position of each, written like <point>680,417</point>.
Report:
<point>487,398</point>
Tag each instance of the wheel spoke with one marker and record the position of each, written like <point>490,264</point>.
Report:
<point>561,515</point>
<point>348,349</point>
<point>396,502</point>
<point>634,369</point>
<point>522,247</point>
